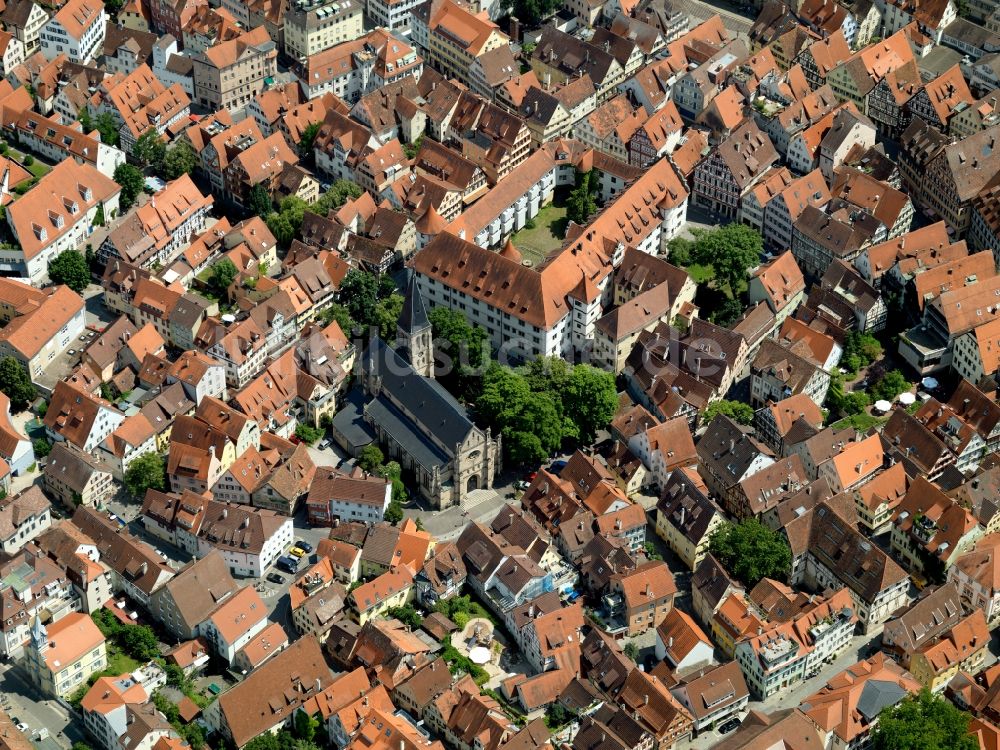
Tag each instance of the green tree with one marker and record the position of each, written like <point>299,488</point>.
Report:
<point>139,642</point>
<point>131,180</point>
<point>412,149</point>
<point>81,745</point>
<point>727,311</point>
<point>86,121</point>
<point>307,433</point>
<point>751,551</point>
<point>41,447</point>
<point>180,159</point>
<point>889,386</point>
<point>738,411</point>
<point>308,139</point>
<point>304,726</point>
<point>387,315</point>
<point>70,268</point>
<point>631,651</point>
<point>108,127</point>
<point>406,615</point>
<point>557,716</point>
<point>923,722</point>
<point>15,383</point>
<point>223,274</point>
<point>529,422</point>
<point>394,513</point>
<point>464,349</point>
<point>146,472</point>
<point>581,202</point>
<point>731,250</point>
<point>259,201</point>
<point>286,222</point>
<point>865,347</point>
<point>359,293</point>
<point>339,193</point>
<point>150,150</point>
<point>371,458</point>
<point>338,312</point>
<point>590,400</point>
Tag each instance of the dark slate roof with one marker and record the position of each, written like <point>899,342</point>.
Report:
<point>350,423</point>
<point>434,411</point>
<point>403,431</point>
<point>877,695</point>
<point>414,314</point>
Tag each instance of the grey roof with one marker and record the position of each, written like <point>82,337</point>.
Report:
<point>414,314</point>
<point>403,431</point>
<point>350,424</point>
<point>435,411</point>
<point>877,695</point>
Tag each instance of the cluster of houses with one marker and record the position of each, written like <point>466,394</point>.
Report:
<point>457,128</point>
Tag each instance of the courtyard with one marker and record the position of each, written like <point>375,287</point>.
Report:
<point>547,234</point>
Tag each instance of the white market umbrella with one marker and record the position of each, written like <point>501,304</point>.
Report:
<point>907,398</point>
<point>883,405</point>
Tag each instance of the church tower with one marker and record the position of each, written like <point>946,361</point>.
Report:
<point>413,332</point>
<point>39,637</point>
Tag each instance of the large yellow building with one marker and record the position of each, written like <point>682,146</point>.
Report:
<point>62,657</point>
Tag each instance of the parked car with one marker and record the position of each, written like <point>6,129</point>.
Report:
<point>287,564</point>
<point>323,444</point>
<point>276,578</point>
<point>728,726</point>
<point>522,484</point>
<point>557,466</point>
<point>19,724</point>
<point>304,545</point>
<point>296,552</point>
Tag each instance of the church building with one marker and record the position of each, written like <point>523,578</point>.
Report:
<point>416,421</point>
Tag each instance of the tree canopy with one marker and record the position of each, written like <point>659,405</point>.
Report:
<point>532,12</point>
<point>537,407</point>
<point>582,200</point>
<point>464,349</point>
<point>923,722</point>
<point>150,150</point>
<point>371,300</point>
<point>731,250</point>
<point>131,180</point>
<point>286,222</point>
<point>890,385</point>
<point>15,383</point>
<point>223,274</point>
<point>146,472</point>
<point>750,551</point>
<point>305,146</point>
<point>180,159</point>
<point>70,268</point>
<point>738,411</point>
<point>338,194</point>
<point>108,128</point>
<point>259,201</point>
<point>370,458</point>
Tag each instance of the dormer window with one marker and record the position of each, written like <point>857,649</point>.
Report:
<point>85,192</point>
<point>56,219</point>
<point>71,205</point>
<point>40,232</point>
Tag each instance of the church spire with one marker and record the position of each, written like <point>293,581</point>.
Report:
<point>413,331</point>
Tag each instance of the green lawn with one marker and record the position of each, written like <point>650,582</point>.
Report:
<point>863,421</point>
<point>38,169</point>
<point>119,662</point>
<point>548,234</point>
<point>701,274</point>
